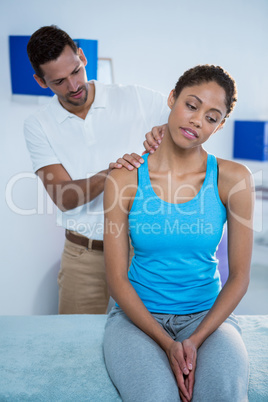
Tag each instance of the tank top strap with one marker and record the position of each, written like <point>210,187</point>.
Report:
<point>144,188</point>
<point>143,174</point>
<point>212,169</point>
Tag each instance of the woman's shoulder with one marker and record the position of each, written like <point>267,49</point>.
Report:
<point>232,171</point>
<point>123,180</point>
<point>233,177</point>
<point>123,175</point>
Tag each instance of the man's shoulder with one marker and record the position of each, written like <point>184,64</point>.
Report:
<point>42,112</point>
<point>125,88</point>
<point>131,98</point>
<point>43,109</point>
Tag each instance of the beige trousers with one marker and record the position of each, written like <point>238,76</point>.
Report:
<point>82,281</point>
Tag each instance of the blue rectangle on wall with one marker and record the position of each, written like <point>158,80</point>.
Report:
<point>251,140</point>
<point>90,49</point>
<point>22,81</point>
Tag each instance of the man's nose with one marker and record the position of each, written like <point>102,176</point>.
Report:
<point>72,84</point>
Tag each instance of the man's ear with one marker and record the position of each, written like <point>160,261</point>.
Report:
<point>40,81</point>
<point>81,55</point>
<point>171,99</point>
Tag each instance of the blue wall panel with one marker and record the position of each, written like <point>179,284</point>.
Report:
<point>251,140</point>
<point>90,49</point>
<point>22,80</point>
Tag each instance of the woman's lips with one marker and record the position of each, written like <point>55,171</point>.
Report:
<point>189,133</point>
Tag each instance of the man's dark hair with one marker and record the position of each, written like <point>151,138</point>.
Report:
<point>207,73</point>
<point>46,44</point>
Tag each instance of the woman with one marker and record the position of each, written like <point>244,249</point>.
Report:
<point>172,335</point>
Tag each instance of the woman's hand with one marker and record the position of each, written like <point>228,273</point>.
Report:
<point>153,139</point>
<point>190,353</point>
<point>182,359</point>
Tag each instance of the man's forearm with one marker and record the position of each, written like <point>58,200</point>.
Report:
<point>68,195</point>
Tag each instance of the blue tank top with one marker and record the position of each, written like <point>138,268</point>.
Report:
<point>174,269</point>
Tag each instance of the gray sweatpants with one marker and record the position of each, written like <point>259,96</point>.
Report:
<point>140,369</point>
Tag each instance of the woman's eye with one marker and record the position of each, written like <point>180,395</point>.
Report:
<point>191,107</point>
<point>211,119</point>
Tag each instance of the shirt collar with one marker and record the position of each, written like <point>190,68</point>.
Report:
<point>100,99</point>
<point>100,95</point>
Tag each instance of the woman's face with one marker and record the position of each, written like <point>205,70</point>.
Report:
<point>196,114</point>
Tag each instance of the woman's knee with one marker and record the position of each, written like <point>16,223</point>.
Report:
<point>222,367</point>
<point>138,367</point>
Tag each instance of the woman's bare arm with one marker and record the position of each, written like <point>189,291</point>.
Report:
<point>118,194</point>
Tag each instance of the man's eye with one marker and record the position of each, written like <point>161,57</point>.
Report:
<point>59,82</point>
<point>76,71</point>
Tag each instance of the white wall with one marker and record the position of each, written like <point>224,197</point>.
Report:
<point>151,42</point>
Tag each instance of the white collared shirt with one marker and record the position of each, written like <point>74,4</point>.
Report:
<point>116,124</point>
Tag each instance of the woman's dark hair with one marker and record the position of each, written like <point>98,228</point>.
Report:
<point>207,73</point>
<point>46,44</point>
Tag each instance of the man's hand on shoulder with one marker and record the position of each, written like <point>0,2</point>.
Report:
<point>130,162</point>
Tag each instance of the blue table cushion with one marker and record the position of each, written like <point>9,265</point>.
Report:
<point>60,358</point>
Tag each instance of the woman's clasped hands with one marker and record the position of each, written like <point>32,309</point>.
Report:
<point>182,359</point>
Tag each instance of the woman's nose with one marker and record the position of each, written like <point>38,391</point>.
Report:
<point>196,119</point>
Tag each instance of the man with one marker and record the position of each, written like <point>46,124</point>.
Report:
<point>72,142</point>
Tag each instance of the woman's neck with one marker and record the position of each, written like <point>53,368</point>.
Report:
<point>170,157</point>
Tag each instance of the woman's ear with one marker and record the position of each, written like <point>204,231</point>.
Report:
<point>220,126</point>
<point>171,99</point>
<point>81,55</point>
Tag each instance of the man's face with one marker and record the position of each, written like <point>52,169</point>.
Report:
<point>66,77</point>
